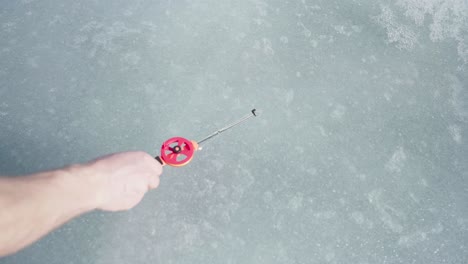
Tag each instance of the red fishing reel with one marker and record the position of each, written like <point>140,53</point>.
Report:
<point>177,151</point>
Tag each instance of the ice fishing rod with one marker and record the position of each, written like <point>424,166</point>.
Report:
<point>179,151</point>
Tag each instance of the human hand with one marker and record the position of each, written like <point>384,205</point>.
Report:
<point>122,179</point>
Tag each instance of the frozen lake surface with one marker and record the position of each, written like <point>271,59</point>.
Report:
<point>360,155</point>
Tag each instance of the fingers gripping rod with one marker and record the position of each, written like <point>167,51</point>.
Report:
<point>241,120</point>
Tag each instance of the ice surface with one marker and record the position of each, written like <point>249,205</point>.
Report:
<point>360,154</point>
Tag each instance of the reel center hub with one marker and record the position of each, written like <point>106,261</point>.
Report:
<point>177,149</point>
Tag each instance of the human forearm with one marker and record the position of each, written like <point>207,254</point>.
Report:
<point>33,205</point>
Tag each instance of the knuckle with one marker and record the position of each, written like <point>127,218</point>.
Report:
<point>142,155</point>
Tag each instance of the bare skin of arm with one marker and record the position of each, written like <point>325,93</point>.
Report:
<point>31,206</point>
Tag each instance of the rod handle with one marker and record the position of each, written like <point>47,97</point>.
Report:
<point>160,160</point>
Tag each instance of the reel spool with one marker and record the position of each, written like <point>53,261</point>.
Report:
<point>177,151</point>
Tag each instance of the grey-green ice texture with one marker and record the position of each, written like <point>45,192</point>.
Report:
<point>360,155</point>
